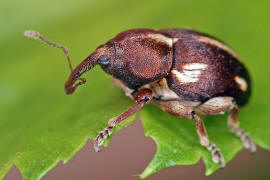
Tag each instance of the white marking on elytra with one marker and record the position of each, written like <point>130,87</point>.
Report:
<point>195,66</point>
<point>218,44</point>
<point>191,72</point>
<point>161,38</point>
<point>241,83</point>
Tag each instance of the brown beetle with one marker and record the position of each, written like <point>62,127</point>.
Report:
<point>184,72</point>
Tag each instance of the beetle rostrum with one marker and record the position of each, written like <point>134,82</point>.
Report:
<point>184,72</point>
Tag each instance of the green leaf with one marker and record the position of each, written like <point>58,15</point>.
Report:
<point>40,125</point>
<point>177,140</point>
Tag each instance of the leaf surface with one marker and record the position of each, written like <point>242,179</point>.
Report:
<point>40,125</point>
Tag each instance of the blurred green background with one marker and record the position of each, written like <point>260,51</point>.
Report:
<point>29,70</point>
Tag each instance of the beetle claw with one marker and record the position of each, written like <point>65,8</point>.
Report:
<point>96,148</point>
<point>246,140</point>
<point>216,155</point>
<point>99,140</point>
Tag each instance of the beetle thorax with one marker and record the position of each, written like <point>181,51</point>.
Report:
<point>142,59</point>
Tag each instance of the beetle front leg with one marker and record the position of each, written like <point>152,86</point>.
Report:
<point>141,97</point>
<point>233,125</point>
<point>204,140</point>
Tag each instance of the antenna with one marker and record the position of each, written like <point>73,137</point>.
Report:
<point>36,35</point>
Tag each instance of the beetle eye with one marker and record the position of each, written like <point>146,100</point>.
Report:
<point>103,60</point>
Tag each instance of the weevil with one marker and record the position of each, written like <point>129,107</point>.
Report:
<point>184,72</point>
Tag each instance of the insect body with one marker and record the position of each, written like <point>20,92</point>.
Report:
<point>183,72</point>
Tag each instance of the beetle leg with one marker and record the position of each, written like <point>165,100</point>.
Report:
<point>180,109</point>
<point>204,140</point>
<point>233,125</point>
<point>218,105</point>
<point>142,97</point>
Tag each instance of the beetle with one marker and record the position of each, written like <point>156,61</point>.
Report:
<point>184,72</point>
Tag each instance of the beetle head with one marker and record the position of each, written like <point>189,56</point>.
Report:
<point>136,57</point>
<point>101,55</point>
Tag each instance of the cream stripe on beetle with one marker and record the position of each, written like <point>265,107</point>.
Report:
<point>161,38</point>
<point>241,83</point>
<point>216,43</point>
<point>191,72</point>
<point>195,66</point>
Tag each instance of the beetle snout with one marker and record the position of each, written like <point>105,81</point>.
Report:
<point>70,86</point>
<point>69,90</point>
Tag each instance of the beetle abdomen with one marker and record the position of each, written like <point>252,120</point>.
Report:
<point>204,67</point>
